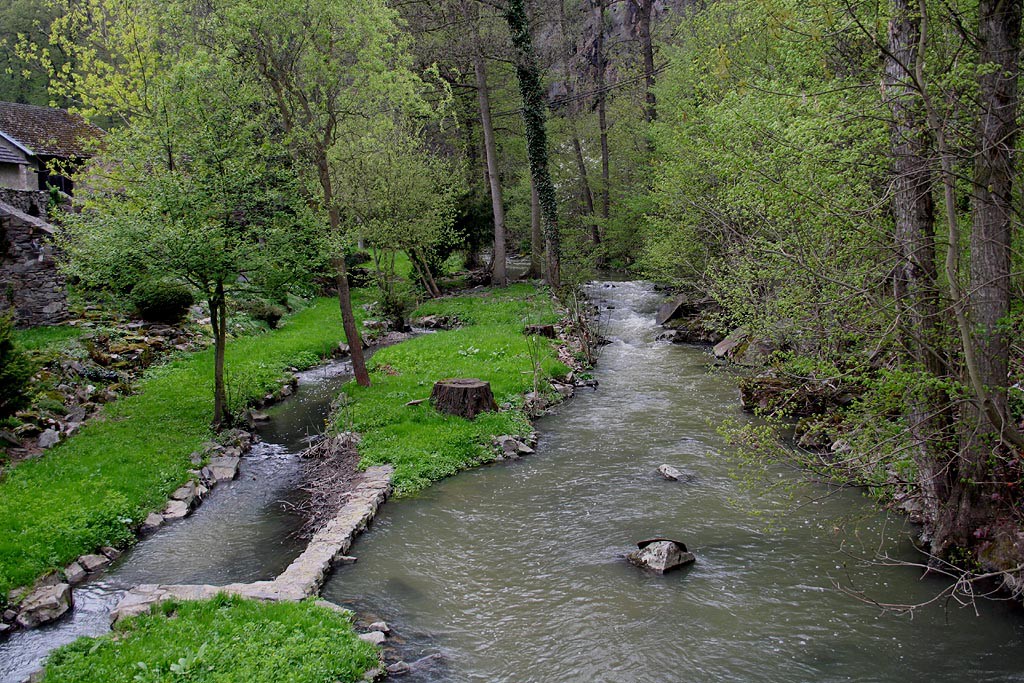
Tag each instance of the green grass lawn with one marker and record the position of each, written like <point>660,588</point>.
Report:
<point>94,488</point>
<point>224,640</point>
<point>46,338</point>
<point>421,443</point>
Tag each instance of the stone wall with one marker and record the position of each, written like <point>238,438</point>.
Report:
<point>32,202</point>
<point>29,280</point>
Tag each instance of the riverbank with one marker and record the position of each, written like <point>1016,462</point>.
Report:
<point>226,639</point>
<point>399,428</point>
<point>490,345</point>
<point>95,489</point>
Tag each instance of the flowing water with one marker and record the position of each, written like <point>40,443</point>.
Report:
<point>514,572</point>
<point>244,531</point>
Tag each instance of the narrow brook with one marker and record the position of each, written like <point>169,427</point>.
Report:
<point>244,531</point>
<point>514,572</point>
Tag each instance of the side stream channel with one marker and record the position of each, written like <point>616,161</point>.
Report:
<point>514,572</point>
<point>246,530</point>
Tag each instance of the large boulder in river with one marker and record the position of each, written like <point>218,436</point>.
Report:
<point>661,555</point>
<point>673,309</point>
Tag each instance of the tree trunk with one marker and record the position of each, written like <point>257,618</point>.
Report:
<point>348,318</point>
<point>643,29</point>
<point>588,195</point>
<point>581,164</point>
<point>915,278</point>
<point>532,94</point>
<point>600,64</point>
<point>986,425</point>
<point>498,269</point>
<point>536,236</point>
<point>463,397</point>
<point>218,321</point>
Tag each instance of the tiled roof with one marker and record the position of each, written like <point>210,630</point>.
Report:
<point>46,131</point>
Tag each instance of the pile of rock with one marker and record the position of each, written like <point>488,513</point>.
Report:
<point>513,447</point>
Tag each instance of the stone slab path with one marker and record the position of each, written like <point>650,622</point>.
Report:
<point>304,576</point>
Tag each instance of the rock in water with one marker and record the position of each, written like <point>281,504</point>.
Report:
<point>670,473</point>
<point>45,605</point>
<point>673,309</point>
<point>661,555</point>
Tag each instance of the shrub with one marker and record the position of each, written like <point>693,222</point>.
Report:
<point>15,370</point>
<point>163,301</point>
<point>267,311</point>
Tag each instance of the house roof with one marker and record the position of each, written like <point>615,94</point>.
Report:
<point>46,131</point>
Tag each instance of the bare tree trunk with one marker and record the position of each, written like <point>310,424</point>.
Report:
<point>581,164</point>
<point>600,63</point>
<point>536,236</point>
<point>915,278</point>
<point>348,318</point>
<point>498,269</point>
<point>218,321</point>
<point>644,9</point>
<point>532,93</point>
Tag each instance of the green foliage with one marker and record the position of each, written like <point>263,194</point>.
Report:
<point>223,640</point>
<point>94,488</point>
<point>421,443</point>
<point>266,311</point>
<point>15,370</point>
<point>164,301</point>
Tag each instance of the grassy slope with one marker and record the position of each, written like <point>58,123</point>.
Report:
<point>42,338</point>
<point>92,489</point>
<point>421,443</point>
<point>225,640</point>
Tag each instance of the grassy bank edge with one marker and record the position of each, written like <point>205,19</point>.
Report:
<point>94,489</point>
<point>226,639</point>
<point>424,445</point>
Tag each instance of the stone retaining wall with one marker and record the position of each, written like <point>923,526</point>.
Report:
<point>30,283</point>
<point>304,576</point>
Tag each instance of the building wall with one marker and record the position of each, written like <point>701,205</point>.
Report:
<point>29,280</point>
<point>17,176</point>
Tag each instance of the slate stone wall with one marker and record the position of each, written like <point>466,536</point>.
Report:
<point>29,280</point>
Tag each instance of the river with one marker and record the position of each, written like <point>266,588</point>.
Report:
<point>514,572</point>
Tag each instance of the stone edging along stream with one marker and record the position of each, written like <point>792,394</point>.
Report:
<point>51,596</point>
<point>304,576</point>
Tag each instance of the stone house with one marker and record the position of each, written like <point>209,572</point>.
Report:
<point>30,282</point>
<point>32,137</point>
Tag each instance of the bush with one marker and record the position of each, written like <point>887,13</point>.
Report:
<point>161,301</point>
<point>266,311</point>
<point>15,370</point>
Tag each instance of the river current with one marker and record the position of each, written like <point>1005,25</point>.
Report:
<point>514,572</point>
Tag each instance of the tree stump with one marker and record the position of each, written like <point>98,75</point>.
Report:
<point>463,397</point>
<point>542,330</point>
